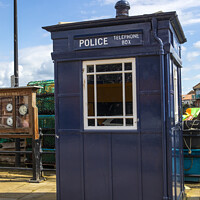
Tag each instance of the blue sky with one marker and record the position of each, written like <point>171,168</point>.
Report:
<point>35,44</point>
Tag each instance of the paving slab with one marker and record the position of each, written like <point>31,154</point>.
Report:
<point>14,185</point>
<point>192,191</point>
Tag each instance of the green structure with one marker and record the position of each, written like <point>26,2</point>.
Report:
<point>46,118</point>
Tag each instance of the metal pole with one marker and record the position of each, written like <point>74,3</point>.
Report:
<point>16,46</point>
<point>36,160</point>
<point>17,141</point>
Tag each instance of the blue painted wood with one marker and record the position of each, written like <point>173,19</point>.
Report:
<point>60,44</point>
<point>69,111</point>
<point>152,166</point>
<point>116,165</point>
<point>149,72</point>
<point>71,172</point>
<point>125,167</point>
<point>67,74</point>
<point>150,112</point>
<point>97,166</point>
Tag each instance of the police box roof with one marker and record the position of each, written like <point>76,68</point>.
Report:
<point>171,16</point>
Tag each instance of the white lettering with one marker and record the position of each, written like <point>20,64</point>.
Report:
<point>95,41</point>
<point>91,44</point>
<point>115,37</point>
<point>105,41</point>
<point>100,43</point>
<point>81,42</point>
<point>87,42</point>
<point>126,42</point>
<point>123,37</point>
<point>135,35</point>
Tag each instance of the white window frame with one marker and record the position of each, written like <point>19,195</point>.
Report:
<point>123,72</point>
<point>176,100</point>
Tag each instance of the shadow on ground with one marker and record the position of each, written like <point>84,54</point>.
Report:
<point>26,196</point>
<point>14,185</point>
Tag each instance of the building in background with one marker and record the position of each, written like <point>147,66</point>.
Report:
<point>189,99</point>
<point>196,89</point>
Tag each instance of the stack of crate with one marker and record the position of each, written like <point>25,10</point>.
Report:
<point>46,116</point>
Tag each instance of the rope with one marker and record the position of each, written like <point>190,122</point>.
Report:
<point>190,166</point>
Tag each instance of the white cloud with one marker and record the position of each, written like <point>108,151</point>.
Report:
<point>185,70</point>
<point>96,18</point>
<point>6,70</point>
<point>196,66</point>
<point>193,67</point>
<point>3,4</point>
<point>183,49</point>
<point>187,17</point>
<point>197,44</point>
<point>186,79</point>
<point>191,21</point>
<point>47,34</point>
<point>34,64</point>
<point>193,55</point>
<point>197,76</point>
<point>190,32</point>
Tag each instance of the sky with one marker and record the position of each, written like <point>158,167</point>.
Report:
<point>35,44</point>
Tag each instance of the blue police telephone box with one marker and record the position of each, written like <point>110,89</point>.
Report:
<point>118,107</point>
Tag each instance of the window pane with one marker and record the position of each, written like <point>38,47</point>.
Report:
<point>128,66</point>
<point>128,94</point>
<point>22,114</point>
<point>175,95</point>
<point>91,122</point>
<point>129,122</point>
<point>6,112</point>
<point>109,122</point>
<point>109,67</point>
<point>109,95</point>
<point>90,68</point>
<point>90,86</point>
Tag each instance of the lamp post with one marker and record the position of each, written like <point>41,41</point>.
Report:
<point>16,72</point>
<point>16,75</point>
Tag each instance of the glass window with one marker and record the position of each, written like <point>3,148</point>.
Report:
<point>110,94</point>
<point>176,115</point>
<point>6,112</point>
<point>22,112</point>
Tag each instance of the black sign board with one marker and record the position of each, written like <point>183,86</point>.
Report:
<point>116,39</point>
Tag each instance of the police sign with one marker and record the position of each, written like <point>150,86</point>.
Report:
<point>108,40</point>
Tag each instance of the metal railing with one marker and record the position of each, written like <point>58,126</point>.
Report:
<point>37,165</point>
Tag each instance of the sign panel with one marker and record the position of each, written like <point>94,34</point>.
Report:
<point>12,78</point>
<point>108,40</point>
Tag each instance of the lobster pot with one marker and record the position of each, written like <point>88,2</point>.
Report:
<point>47,86</point>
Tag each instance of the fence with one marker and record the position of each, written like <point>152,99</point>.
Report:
<point>35,154</point>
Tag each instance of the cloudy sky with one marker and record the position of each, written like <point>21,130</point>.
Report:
<point>35,44</point>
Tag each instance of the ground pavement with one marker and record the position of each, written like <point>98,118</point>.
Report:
<point>14,185</point>
<point>192,191</point>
